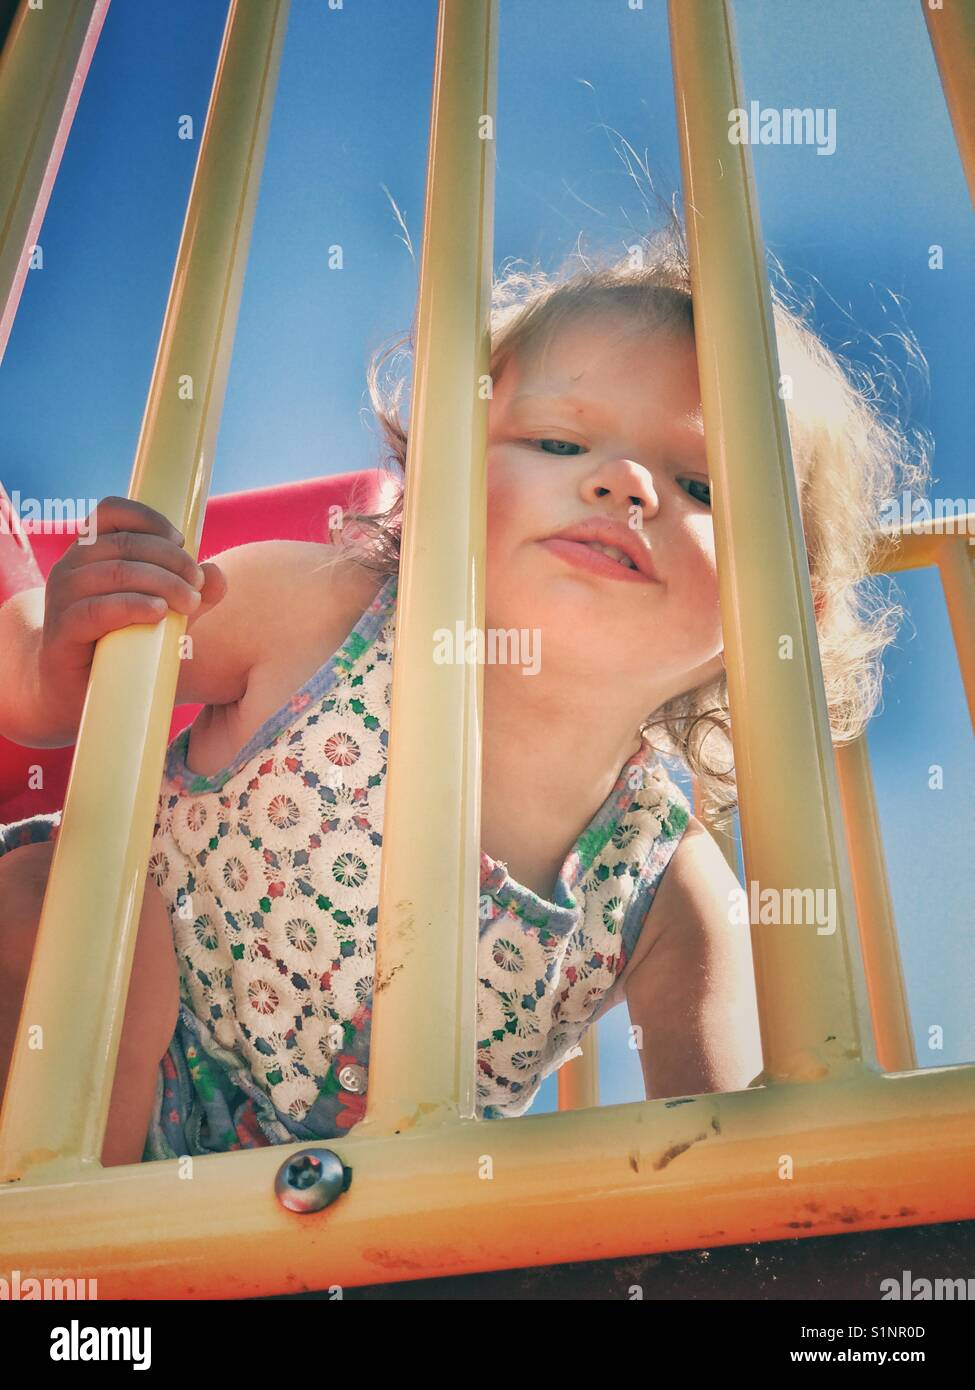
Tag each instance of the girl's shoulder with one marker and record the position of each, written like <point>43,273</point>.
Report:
<point>290,605</point>
<point>322,592</point>
<point>696,891</point>
<point>316,592</point>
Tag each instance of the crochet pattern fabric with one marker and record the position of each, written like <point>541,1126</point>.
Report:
<point>271,872</point>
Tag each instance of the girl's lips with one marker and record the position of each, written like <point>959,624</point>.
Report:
<point>585,558</point>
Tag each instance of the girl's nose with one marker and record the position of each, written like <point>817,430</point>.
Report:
<point>624,481</point>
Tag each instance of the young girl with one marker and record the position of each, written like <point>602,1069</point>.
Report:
<point>596,882</point>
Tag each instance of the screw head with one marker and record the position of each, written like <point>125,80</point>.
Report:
<point>311,1179</point>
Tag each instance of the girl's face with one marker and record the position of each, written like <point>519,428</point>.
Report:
<point>606,427</point>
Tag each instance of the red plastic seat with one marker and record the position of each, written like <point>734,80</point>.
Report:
<point>287,511</point>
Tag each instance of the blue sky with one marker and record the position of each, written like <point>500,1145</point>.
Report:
<point>576,79</point>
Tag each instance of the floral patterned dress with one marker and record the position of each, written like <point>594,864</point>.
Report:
<point>271,872</point>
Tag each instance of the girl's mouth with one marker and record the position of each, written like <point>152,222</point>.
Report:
<point>584,556</point>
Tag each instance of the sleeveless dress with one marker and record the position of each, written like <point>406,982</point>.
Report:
<point>270,869</point>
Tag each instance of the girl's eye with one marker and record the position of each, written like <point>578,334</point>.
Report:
<point>560,445</point>
<point>705,488</point>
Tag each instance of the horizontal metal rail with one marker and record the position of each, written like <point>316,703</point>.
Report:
<point>791,1160</point>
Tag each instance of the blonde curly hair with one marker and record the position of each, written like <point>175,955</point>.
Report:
<point>849,458</point>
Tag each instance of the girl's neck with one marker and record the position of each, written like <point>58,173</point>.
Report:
<point>549,765</point>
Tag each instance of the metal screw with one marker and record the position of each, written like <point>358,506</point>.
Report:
<point>311,1179</point>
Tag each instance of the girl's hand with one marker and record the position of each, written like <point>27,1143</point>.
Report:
<point>136,571</point>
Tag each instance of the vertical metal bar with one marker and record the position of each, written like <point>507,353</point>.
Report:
<point>422,1045</point>
<point>43,66</point>
<point>947,541</point>
<point>930,544</point>
<point>952,32</point>
<point>578,1080</point>
<point>86,938</point>
<point>724,836</point>
<point>811,987</point>
<point>956,565</point>
<point>875,915</point>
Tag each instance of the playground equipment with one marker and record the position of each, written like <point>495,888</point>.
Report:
<point>875,1142</point>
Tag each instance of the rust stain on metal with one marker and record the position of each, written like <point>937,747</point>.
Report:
<point>846,1216</point>
<point>446,1259</point>
<point>409,1121</point>
<point>388,1259</point>
<point>382,980</point>
<point>675,1152</point>
<point>398,944</point>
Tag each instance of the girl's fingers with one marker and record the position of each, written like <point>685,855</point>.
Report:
<point>214,588</point>
<point>125,576</point>
<point>132,546</point>
<point>123,514</point>
<point>90,618</point>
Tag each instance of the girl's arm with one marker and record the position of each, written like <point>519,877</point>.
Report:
<point>693,994</point>
<point>261,600</point>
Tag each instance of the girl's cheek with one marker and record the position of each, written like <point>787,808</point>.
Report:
<point>701,575</point>
<point>693,541</point>
<point>504,501</point>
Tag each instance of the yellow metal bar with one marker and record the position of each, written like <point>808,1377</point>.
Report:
<point>43,66</point>
<point>875,914</point>
<point>723,836</point>
<point>947,541</point>
<point>955,566</point>
<point>578,1080</point>
<point>57,1097</point>
<point>867,1152</point>
<point>918,543</point>
<point>812,992</point>
<point>952,31</point>
<point>422,1044</point>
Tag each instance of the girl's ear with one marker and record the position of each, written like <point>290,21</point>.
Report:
<point>819,599</point>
